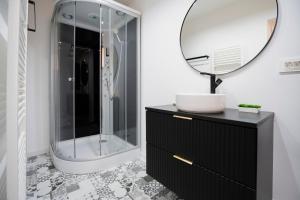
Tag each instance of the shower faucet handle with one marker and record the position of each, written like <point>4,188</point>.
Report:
<point>70,79</point>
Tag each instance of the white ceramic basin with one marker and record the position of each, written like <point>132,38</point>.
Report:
<point>200,103</point>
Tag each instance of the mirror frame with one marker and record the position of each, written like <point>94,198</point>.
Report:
<point>246,64</point>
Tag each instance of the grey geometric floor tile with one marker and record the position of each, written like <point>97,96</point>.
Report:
<point>128,181</point>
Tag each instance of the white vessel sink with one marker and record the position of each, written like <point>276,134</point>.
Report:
<point>200,102</point>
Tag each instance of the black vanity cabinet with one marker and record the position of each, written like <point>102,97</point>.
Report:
<point>227,156</point>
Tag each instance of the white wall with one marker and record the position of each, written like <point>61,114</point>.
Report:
<point>38,73</point>
<point>165,73</point>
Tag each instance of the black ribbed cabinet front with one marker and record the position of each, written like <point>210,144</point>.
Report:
<point>224,155</point>
<point>192,182</point>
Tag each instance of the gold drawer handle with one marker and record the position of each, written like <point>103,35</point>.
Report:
<point>181,117</point>
<point>183,160</point>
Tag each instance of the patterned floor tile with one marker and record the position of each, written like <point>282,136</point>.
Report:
<point>128,181</point>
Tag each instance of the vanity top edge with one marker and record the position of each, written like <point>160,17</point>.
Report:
<point>230,115</point>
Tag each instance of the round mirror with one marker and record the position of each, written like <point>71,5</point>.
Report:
<point>221,36</point>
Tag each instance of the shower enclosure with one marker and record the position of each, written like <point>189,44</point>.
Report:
<point>94,111</point>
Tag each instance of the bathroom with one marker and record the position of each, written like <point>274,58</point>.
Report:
<point>163,73</point>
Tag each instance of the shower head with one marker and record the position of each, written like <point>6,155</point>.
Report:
<point>120,13</point>
<point>67,16</point>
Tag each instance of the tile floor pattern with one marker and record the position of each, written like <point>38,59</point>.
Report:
<point>128,181</point>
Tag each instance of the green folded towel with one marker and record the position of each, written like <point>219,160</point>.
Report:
<point>249,106</point>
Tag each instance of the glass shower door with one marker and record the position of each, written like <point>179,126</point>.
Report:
<point>119,81</point>
<point>62,81</point>
<point>87,81</point>
<point>94,81</point>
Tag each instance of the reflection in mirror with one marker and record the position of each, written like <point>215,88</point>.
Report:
<point>221,36</point>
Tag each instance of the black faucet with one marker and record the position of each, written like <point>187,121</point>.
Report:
<point>213,82</point>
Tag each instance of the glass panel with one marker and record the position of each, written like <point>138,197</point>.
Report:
<point>131,81</point>
<point>118,24</point>
<point>106,85</point>
<point>64,81</point>
<point>54,44</point>
<point>87,76</point>
<point>119,76</point>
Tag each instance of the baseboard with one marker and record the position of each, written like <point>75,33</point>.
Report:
<point>39,152</point>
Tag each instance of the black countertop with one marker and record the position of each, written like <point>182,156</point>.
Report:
<point>229,116</point>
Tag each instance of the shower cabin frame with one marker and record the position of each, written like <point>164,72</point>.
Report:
<point>113,159</point>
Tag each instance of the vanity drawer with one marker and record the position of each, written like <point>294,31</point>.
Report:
<point>191,181</point>
<point>168,132</point>
<point>225,149</point>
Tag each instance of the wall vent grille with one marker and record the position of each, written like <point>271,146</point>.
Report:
<point>227,59</point>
